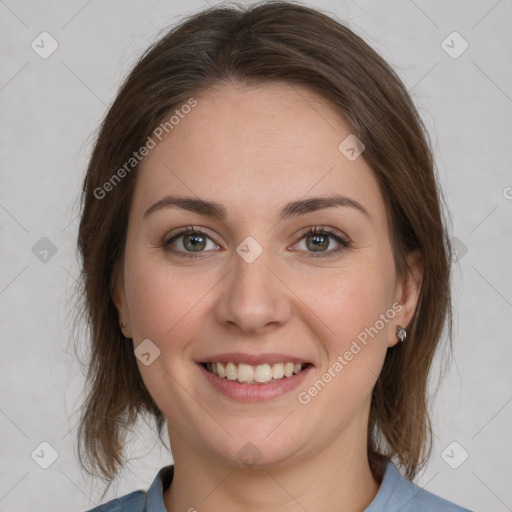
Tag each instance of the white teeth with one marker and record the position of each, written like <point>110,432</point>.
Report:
<point>263,373</point>
<point>246,373</point>
<point>231,371</point>
<point>278,371</point>
<point>288,369</point>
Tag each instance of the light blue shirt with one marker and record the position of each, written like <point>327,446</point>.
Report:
<point>396,494</point>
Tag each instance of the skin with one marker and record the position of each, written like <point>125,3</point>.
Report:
<point>254,149</point>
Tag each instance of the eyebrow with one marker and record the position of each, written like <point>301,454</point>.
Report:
<point>295,208</point>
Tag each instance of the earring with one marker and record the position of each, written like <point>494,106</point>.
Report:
<point>401,333</point>
<point>123,325</point>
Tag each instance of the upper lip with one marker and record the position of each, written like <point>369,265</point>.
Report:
<point>252,359</point>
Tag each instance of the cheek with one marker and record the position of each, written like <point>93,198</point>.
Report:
<point>165,302</point>
<point>152,298</point>
<point>352,297</point>
<point>165,307</point>
<point>355,302</point>
<point>357,309</point>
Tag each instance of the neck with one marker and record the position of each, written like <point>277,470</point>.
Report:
<point>337,478</point>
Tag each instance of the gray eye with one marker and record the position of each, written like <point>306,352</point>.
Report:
<point>190,241</point>
<point>317,243</point>
<point>194,242</point>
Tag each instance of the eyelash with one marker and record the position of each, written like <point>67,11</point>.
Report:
<point>315,230</point>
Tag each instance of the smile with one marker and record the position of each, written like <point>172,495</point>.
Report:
<point>259,374</point>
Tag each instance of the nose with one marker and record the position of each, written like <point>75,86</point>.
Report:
<point>253,300</point>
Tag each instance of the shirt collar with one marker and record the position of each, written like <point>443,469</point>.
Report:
<point>386,496</point>
<point>155,495</point>
<point>394,491</point>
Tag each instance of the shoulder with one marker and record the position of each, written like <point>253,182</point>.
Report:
<point>133,502</point>
<point>422,500</point>
<point>142,501</point>
<point>398,493</point>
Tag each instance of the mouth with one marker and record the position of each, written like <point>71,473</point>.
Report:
<point>254,374</point>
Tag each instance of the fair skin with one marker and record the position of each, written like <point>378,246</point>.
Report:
<point>255,149</point>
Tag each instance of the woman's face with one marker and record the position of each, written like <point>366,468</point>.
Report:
<point>254,288</point>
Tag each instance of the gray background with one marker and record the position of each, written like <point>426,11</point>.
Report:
<point>50,109</point>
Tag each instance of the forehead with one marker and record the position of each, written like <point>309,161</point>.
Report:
<point>254,148</point>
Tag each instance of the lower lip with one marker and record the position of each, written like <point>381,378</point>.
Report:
<point>255,392</point>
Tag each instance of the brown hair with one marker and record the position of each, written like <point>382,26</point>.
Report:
<point>301,46</point>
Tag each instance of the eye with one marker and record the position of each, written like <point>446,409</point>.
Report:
<point>189,241</point>
<point>317,240</point>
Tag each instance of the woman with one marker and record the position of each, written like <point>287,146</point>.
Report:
<point>266,270</point>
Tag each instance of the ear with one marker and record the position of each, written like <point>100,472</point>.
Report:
<point>407,291</point>
<point>119,299</point>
